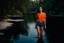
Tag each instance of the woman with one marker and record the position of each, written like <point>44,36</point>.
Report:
<point>41,21</point>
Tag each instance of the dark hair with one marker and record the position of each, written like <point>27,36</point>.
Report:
<point>38,11</point>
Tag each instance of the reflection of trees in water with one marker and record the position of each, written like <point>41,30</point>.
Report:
<point>18,28</point>
<point>6,36</point>
<point>15,30</point>
<point>12,33</point>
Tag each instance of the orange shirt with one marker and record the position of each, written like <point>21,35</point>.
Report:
<point>41,17</point>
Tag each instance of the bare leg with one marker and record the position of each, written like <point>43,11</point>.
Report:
<point>42,30</point>
<point>38,31</point>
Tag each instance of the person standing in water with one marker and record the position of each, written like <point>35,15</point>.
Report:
<point>41,21</point>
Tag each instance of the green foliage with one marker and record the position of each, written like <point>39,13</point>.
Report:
<point>9,6</point>
<point>54,6</point>
<point>24,6</point>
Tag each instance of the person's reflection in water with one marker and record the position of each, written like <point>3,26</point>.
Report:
<point>40,40</point>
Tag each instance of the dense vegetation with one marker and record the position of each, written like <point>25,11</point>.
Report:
<point>18,7</point>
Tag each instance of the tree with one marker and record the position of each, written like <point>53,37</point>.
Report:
<point>54,6</point>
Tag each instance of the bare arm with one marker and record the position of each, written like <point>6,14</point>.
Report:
<point>45,21</point>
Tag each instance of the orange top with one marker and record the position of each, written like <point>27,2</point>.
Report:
<point>41,17</point>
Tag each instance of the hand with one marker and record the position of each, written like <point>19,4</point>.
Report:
<point>45,27</point>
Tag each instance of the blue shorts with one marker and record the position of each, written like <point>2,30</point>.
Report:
<point>40,24</point>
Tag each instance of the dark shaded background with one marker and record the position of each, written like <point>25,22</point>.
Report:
<point>53,8</point>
